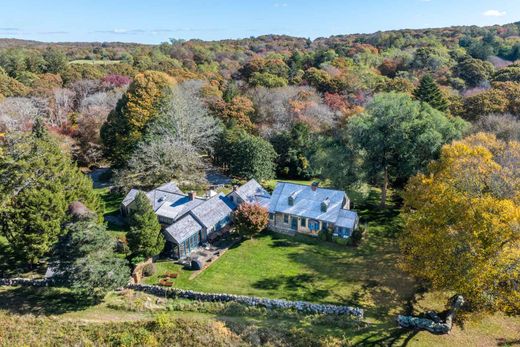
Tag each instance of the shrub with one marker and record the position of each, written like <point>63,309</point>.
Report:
<point>250,219</point>
<point>357,236</point>
<point>149,269</point>
<point>137,260</point>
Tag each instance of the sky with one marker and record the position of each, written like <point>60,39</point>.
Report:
<point>155,21</point>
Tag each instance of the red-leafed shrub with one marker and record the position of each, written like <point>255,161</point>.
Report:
<point>251,219</point>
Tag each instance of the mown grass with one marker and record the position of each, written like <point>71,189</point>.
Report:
<point>111,203</point>
<point>305,268</point>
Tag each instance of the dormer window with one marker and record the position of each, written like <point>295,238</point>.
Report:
<point>292,198</point>
<point>325,205</point>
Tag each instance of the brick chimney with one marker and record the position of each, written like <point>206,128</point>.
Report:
<point>192,195</point>
<point>314,185</point>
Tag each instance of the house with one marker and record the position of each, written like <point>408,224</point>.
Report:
<point>309,209</point>
<point>250,192</point>
<point>188,220</point>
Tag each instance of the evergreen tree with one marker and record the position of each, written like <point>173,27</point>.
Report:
<point>429,92</point>
<point>37,183</point>
<point>145,237</point>
<point>245,155</point>
<point>84,260</point>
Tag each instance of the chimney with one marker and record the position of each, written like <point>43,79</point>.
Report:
<point>314,185</point>
<point>235,187</point>
<point>192,195</point>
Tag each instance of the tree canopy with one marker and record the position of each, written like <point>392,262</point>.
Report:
<point>144,237</point>
<point>37,183</point>
<point>462,222</point>
<point>399,136</point>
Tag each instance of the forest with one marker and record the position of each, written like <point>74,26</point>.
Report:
<point>429,115</point>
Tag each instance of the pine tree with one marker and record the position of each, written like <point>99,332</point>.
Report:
<point>145,237</point>
<point>84,260</point>
<point>429,92</point>
<point>37,183</point>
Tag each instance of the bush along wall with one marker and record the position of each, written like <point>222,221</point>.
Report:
<point>302,306</point>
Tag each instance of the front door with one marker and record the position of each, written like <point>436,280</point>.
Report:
<point>294,223</point>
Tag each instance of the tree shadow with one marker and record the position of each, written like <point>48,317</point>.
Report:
<point>508,342</point>
<point>388,337</point>
<point>299,287</point>
<point>42,301</point>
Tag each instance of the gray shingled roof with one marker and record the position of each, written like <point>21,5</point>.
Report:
<point>213,210</point>
<point>157,196</point>
<point>178,206</point>
<point>169,187</point>
<point>347,219</point>
<point>251,190</point>
<point>182,229</point>
<point>130,197</point>
<point>307,203</point>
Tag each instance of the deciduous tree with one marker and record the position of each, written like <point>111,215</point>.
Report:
<point>462,223</point>
<point>399,136</point>
<point>250,219</point>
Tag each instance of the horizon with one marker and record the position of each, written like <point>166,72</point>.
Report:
<point>215,20</point>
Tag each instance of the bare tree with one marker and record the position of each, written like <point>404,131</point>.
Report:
<point>278,109</point>
<point>62,105</point>
<point>162,159</point>
<point>17,114</point>
<point>505,126</point>
<point>185,118</point>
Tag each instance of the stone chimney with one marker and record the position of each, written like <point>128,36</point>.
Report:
<point>192,195</point>
<point>314,185</point>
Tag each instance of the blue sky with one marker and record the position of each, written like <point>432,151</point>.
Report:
<point>154,21</point>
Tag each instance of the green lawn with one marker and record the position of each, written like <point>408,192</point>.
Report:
<point>304,268</point>
<point>111,204</point>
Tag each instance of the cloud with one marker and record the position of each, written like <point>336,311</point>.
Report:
<point>494,13</point>
<point>9,29</point>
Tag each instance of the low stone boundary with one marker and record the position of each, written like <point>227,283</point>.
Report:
<point>25,282</point>
<point>302,306</point>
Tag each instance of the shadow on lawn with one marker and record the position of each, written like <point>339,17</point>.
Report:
<point>41,301</point>
<point>388,337</point>
<point>300,287</point>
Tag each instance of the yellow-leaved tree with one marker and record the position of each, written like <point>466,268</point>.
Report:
<point>462,223</point>
<point>138,106</point>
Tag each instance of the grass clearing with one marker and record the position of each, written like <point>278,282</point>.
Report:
<point>95,62</point>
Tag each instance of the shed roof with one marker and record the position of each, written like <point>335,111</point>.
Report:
<point>347,219</point>
<point>307,203</point>
<point>182,229</point>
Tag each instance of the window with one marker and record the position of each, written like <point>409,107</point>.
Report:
<point>286,218</point>
<point>324,226</point>
<point>303,222</point>
<point>314,225</point>
<point>271,216</point>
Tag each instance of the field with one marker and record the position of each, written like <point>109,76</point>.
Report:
<point>94,62</point>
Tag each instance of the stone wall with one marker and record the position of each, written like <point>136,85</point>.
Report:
<point>137,274</point>
<point>26,282</point>
<point>302,306</point>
